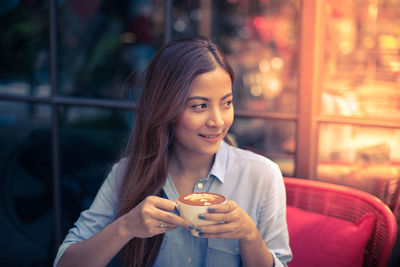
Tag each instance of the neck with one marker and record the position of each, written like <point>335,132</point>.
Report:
<point>190,164</point>
<point>186,169</point>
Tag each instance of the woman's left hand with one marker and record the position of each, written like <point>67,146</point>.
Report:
<point>233,223</point>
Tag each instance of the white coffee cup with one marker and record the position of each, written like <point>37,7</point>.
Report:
<point>191,205</point>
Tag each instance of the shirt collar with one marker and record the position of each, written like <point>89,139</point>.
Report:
<point>221,158</point>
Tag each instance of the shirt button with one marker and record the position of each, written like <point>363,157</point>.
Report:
<point>200,185</point>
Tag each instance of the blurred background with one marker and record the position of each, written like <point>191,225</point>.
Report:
<point>317,90</point>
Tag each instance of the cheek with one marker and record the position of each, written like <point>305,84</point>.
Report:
<point>189,123</point>
<point>228,120</point>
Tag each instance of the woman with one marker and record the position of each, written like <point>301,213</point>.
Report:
<point>177,147</point>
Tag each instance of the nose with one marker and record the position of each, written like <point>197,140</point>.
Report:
<point>215,119</point>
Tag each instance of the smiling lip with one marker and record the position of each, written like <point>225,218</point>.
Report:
<point>210,137</point>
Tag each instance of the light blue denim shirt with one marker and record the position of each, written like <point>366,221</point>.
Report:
<point>253,181</point>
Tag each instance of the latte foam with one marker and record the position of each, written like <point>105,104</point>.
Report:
<point>202,199</point>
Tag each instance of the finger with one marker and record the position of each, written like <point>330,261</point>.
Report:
<point>219,235</point>
<point>226,228</point>
<point>159,209</point>
<point>168,226</point>
<point>162,203</point>
<point>218,217</point>
<point>165,229</point>
<point>223,208</point>
<point>172,219</point>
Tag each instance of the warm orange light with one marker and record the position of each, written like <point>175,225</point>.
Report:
<point>259,22</point>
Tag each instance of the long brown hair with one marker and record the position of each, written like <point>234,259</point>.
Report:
<point>167,84</point>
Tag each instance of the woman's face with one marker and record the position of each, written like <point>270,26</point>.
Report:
<point>208,114</point>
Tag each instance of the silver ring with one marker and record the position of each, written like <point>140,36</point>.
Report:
<point>161,224</point>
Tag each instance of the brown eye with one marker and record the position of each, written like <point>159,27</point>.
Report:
<point>199,106</point>
<point>227,104</point>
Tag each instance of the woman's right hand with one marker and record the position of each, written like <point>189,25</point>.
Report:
<point>151,217</point>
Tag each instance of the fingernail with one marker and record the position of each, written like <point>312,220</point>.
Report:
<point>211,209</point>
<point>201,216</point>
<point>191,226</point>
<point>198,229</point>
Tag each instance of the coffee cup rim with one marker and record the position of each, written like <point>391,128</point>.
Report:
<point>199,193</point>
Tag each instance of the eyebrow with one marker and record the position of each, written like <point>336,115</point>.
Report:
<point>207,99</point>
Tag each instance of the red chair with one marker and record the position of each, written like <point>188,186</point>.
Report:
<point>347,204</point>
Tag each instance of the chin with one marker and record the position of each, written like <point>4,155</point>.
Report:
<point>211,149</point>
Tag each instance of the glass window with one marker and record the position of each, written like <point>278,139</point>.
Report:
<point>91,140</point>
<point>24,48</point>
<point>188,16</point>
<point>102,42</point>
<point>273,139</point>
<point>261,38</point>
<point>361,74</point>
<point>26,209</point>
<point>367,158</point>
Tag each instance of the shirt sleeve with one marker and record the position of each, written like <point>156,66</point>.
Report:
<point>272,218</point>
<point>102,212</point>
